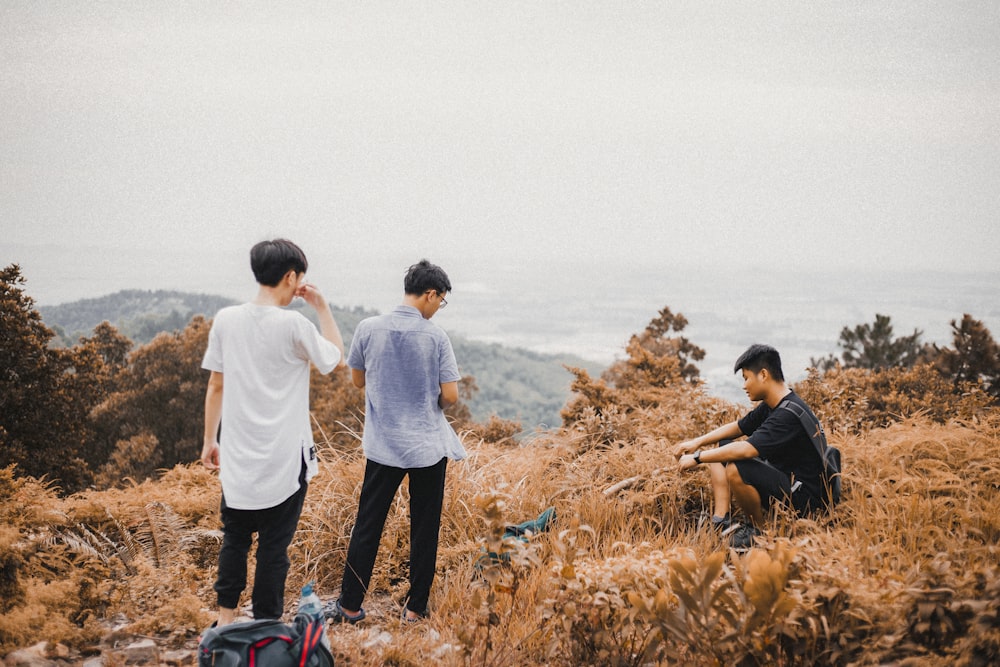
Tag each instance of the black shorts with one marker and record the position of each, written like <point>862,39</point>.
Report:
<point>771,483</point>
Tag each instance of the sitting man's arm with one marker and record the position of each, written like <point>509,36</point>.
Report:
<point>733,451</point>
<point>729,431</point>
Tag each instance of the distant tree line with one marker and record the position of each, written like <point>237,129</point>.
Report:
<point>137,314</point>
<point>516,383</point>
<point>973,361</point>
<point>99,412</point>
<point>102,410</point>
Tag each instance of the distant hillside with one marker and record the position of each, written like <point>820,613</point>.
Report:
<point>517,384</point>
<point>138,314</point>
<point>141,314</point>
<point>513,383</point>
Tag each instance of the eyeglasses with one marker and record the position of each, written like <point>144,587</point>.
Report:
<point>444,302</point>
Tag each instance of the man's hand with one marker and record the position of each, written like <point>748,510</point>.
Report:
<point>686,462</point>
<point>311,295</point>
<point>210,455</point>
<point>327,326</point>
<point>685,447</point>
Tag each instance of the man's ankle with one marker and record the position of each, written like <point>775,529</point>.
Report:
<point>226,616</point>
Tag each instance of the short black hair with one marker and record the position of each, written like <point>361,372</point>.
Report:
<point>271,260</point>
<point>424,276</point>
<point>758,357</point>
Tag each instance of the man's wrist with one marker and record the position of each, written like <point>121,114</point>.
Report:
<point>697,457</point>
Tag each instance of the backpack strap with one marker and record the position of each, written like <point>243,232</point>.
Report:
<point>311,632</point>
<point>811,425</point>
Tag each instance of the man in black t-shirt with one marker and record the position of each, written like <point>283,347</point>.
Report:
<point>776,461</point>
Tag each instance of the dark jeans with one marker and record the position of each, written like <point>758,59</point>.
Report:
<point>275,527</point>
<point>377,492</point>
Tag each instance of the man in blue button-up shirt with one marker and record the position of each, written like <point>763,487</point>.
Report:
<point>408,370</point>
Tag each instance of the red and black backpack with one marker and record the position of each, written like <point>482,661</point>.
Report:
<point>267,643</point>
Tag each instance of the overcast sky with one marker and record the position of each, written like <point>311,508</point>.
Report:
<point>835,134</point>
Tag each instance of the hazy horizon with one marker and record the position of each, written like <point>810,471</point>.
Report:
<point>566,307</point>
<point>619,155</point>
<point>842,135</point>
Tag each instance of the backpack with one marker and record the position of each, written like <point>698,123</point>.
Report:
<point>265,643</point>
<point>830,456</point>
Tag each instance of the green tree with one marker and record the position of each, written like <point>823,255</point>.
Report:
<point>975,358</point>
<point>43,405</point>
<point>658,376</point>
<point>99,362</point>
<point>154,418</point>
<point>872,346</point>
<point>657,357</point>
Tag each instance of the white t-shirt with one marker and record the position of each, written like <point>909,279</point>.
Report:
<point>263,353</point>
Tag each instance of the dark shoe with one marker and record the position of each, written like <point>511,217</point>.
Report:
<point>721,524</point>
<point>406,615</point>
<point>742,538</point>
<point>334,612</point>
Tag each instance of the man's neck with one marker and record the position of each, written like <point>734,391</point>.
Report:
<point>269,296</point>
<point>776,393</point>
<point>416,301</point>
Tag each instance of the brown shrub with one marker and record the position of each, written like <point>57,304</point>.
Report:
<point>620,578</point>
<point>495,431</point>
<point>856,400</point>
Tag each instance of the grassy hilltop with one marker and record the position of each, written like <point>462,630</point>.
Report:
<point>903,571</point>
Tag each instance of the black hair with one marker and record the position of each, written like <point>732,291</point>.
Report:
<point>271,260</point>
<point>424,276</point>
<point>758,357</point>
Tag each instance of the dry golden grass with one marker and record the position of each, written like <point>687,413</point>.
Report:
<point>905,569</point>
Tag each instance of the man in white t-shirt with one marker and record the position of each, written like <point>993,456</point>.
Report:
<point>260,354</point>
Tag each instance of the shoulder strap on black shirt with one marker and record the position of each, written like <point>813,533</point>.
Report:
<point>811,425</point>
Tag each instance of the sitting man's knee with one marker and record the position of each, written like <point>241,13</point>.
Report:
<point>733,474</point>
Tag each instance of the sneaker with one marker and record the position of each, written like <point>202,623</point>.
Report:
<point>334,612</point>
<point>406,616</point>
<point>743,539</point>
<point>719,524</point>
<point>722,523</point>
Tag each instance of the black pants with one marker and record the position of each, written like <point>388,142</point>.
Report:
<point>377,492</point>
<point>275,527</point>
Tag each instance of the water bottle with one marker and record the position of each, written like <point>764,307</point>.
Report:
<point>311,605</point>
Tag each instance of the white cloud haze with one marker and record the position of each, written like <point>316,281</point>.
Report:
<point>847,134</point>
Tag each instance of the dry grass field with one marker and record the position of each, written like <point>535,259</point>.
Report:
<point>904,571</point>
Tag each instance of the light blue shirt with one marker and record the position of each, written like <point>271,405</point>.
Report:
<point>406,359</point>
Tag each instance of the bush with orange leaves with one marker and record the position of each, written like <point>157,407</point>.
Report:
<point>903,571</point>
<point>855,400</point>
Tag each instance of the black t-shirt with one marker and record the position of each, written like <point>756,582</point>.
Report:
<point>781,440</point>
